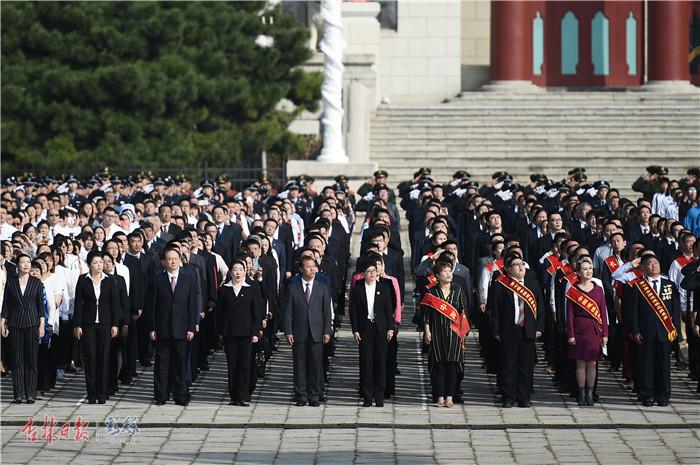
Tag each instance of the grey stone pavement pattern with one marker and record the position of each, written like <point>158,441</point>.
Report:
<point>408,430</point>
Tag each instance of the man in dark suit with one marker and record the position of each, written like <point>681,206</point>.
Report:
<point>516,325</point>
<point>654,339</point>
<point>307,328</point>
<point>226,232</point>
<point>372,327</point>
<point>173,302</point>
<point>165,213</point>
<point>137,289</point>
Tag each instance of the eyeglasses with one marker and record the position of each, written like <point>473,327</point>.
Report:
<point>517,264</point>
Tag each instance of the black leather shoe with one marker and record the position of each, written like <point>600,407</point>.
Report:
<point>101,401</point>
<point>243,404</point>
<point>314,403</point>
<point>92,401</point>
<point>30,401</point>
<point>507,404</point>
<point>379,404</point>
<point>17,401</point>
<point>524,404</point>
<point>662,403</point>
<point>367,403</point>
<point>159,402</point>
<point>648,403</point>
<point>182,403</point>
<point>301,403</point>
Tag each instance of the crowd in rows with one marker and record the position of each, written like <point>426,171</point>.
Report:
<point>104,274</point>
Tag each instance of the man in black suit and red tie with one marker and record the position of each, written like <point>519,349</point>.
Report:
<point>516,308</point>
<point>307,327</point>
<point>653,321</point>
<point>173,304</point>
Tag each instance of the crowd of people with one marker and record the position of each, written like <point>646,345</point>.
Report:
<point>105,274</point>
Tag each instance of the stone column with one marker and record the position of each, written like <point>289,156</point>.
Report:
<point>668,46</point>
<point>332,87</point>
<point>511,47</point>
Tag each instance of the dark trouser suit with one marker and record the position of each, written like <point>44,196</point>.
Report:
<point>655,369</point>
<point>391,365</point>
<point>130,351</point>
<point>25,354</point>
<point>517,366</point>
<point>308,367</point>
<point>171,361</point>
<point>445,379</point>
<point>95,344</point>
<point>373,351</point>
<point>64,344</point>
<point>238,350</point>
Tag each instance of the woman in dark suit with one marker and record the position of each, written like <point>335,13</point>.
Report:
<point>239,314</point>
<point>586,334</point>
<point>371,318</point>
<point>96,315</point>
<point>116,354</point>
<point>23,314</point>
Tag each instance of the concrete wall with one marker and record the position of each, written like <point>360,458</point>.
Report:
<point>475,31</point>
<point>421,61</point>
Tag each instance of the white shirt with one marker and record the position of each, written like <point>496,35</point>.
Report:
<point>516,301</point>
<point>97,287</point>
<point>369,292</point>
<point>173,275</point>
<point>305,283</point>
<point>656,286</point>
<point>237,290</point>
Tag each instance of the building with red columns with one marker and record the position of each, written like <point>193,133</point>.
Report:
<point>595,43</point>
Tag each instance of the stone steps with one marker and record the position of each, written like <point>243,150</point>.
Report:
<point>613,134</point>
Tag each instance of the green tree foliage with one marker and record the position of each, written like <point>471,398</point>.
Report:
<point>152,84</point>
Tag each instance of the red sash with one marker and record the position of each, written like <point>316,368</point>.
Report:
<point>432,281</point>
<point>566,271</point>
<point>638,273</point>
<point>585,302</point>
<point>612,263</point>
<point>521,291</point>
<point>658,306</point>
<point>460,324</point>
<point>572,278</point>
<point>683,260</point>
<point>554,263</point>
<point>496,263</point>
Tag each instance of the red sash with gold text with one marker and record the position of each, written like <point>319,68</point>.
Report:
<point>658,306</point>
<point>460,324</point>
<point>521,291</point>
<point>612,263</point>
<point>432,281</point>
<point>585,302</point>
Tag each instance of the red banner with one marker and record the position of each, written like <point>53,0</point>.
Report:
<point>521,291</point>
<point>585,302</point>
<point>658,306</point>
<point>460,324</point>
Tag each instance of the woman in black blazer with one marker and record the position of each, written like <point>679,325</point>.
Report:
<point>239,322</point>
<point>95,319</point>
<point>372,329</point>
<point>23,314</point>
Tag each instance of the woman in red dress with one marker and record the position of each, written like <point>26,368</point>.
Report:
<point>587,327</point>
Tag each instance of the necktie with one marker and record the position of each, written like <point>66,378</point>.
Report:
<point>645,230</point>
<point>655,284</point>
<point>173,283</point>
<point>308,293</point>
<point>521,312</point>
<point>164,228</point>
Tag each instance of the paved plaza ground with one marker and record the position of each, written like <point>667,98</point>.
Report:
<point>408,430</point>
